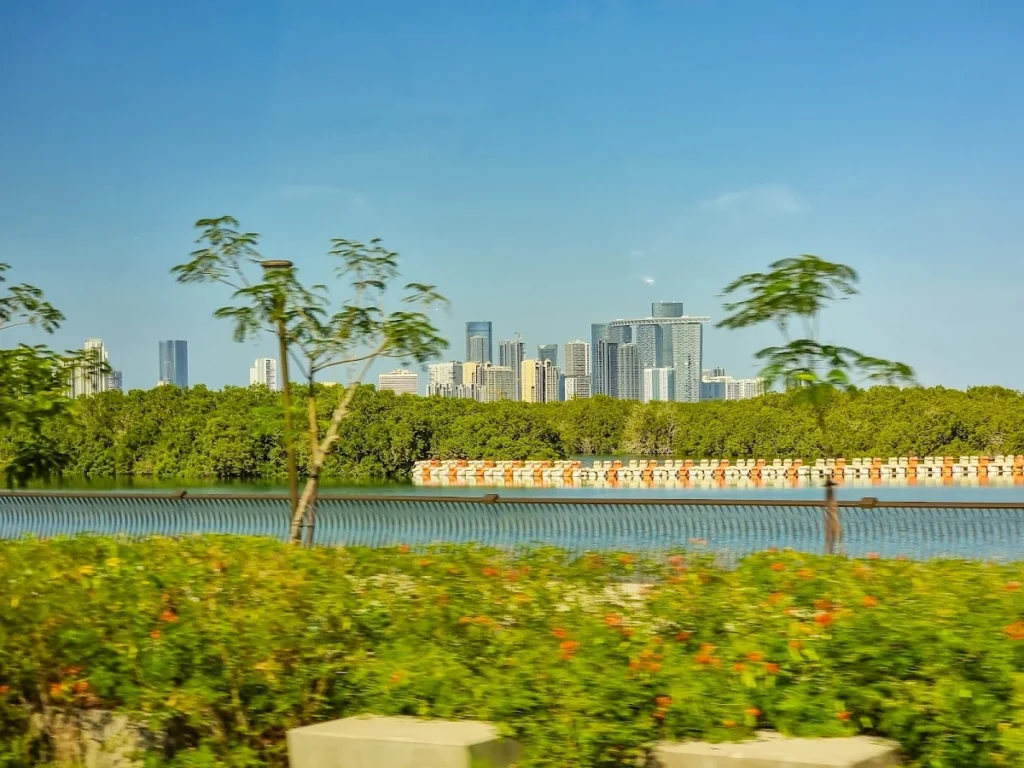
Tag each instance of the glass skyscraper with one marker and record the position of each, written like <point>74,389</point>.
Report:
<point>667,309</point>
<point>548,352</point>
<point>174,363</point>
<point>598,333</point>
<point>483,351</point>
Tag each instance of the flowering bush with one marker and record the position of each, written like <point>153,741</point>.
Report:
<point>223,644</point>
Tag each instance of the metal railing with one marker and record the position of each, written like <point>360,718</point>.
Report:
<point>911,529</point>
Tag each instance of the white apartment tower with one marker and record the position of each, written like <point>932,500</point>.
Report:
<point>401,382</point>
<point>659,384</point>
<point>264,373</point>
<point>577,359</point>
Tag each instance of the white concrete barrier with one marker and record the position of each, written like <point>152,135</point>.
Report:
<point>856,752</point>
<point>399,742</point>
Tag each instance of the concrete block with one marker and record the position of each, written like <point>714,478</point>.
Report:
<point>399,742</point>
<point>856,752</point>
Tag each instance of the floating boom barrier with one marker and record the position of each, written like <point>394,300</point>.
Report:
<point>723,472</point>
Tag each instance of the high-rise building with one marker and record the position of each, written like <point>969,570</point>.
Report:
<point>648,339</point>
<point>444,374</point>
<point>548,352</point>
<point>174,363</point>
<point>400,381</point>
<point>115,381</point>
<point>479,351</point>
<point>667,309</point>
<point>539,381</point>
<point>89,379</point>
<point>577,387</point>
<point>472,373</point>
<point>498,383</point>
<point>682,352</point>
<point>511,354</point>
<point>577,359</point>
<point>630,373</point>
<point>264,373</point>
<point>687,348</point>
<point>714,387</point>
<point>744,389</point>
<point>554,387</point>
<point>457,391</point>
<point>659,384</point>
<point>598,333</point>
<point>608,371</point>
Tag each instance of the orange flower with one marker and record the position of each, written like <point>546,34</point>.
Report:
<point>870,601</point>
<point>512,575</point>
<point>1015,630</point>
<point>715,661</point>
<point>729,723</point>
<point>613,620</point>
<point>775,597</point>
<point>796,645</point>
<point>658,640</point>
<point>568,648</point>
<point>423,562</point>
<point>805,573</point>
<point>654,667</point>
<point>403,548</point>
<point>844,715</point>
<point>73,671</point>
<point>646,653</point>
<point>677,562</point>
<point>626,559</point>
<point>872,555</point>
<point>465,620</point>
<point>754,712</point>
<point>155,634</point>
<point>482,620</point>
<point>739,666</point>
<point>56,689</point>
<point>824,618</point>
<point>683,637</point>
<point>4,690</point>
<point>703,658</point>
<point>754,656</point>
<point>771,668</point>
<point>396,677</point>
<point>1012,586</point>
<point>634,664</point>
<point>560,633</point>
<point>169,616</point>
<point>81,687</point>
<point>664,702</point>
<point>823,605</point>
<point>659,715</point>
<point>777,567</point>
<point>490,572</point>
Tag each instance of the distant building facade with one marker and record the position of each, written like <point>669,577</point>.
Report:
<point>511,354</point>
<point>444,374</point>
<point>264,373</point>
<point>89,379</point>
<point>548,352</point>
<point>577,387</point>
<point>173,363</point>
<point>630,373</point>
<point>479,346</point>
<point>659,384</point>
<point>498,383</point>
<point>667,309</point>
<point>716,385</point>
<point>577,359</point>
<point>400,381</point>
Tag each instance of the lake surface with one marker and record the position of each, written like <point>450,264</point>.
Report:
<point>966,490</point>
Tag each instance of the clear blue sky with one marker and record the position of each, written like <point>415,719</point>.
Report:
<point>542,161</point>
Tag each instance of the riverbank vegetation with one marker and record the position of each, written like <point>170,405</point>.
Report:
<point>236,433</point>
<point>218,646</point>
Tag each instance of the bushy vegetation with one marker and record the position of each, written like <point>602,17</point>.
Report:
<point>220,645</point>
<point>236,433</point>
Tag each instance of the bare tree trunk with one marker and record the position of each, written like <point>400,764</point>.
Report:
<point>320,449</point>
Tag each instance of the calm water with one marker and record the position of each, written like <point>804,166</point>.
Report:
<point>967,490</point>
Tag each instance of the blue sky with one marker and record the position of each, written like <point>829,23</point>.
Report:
<point>547,164</point>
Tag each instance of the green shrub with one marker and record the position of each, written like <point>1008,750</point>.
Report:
<point>226,643</point>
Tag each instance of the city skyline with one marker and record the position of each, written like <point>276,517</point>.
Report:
<point>664,174</point>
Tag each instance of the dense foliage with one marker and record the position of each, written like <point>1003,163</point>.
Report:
<point>220,645</point>
<point>235,433</point>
